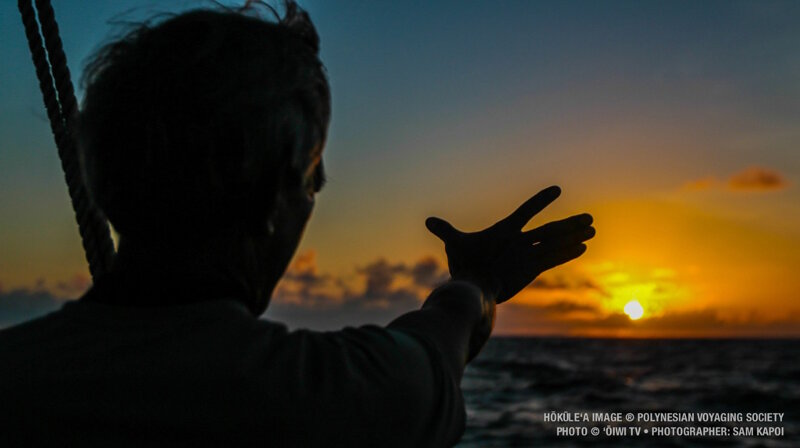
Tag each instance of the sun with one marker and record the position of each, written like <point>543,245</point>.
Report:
<point>634,309</point>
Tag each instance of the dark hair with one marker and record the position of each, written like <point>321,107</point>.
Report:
<point>194,124</point>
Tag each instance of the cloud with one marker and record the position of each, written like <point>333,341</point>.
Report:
<point>574,318</point>
<point>756,179</point>
<point>567,307</point>
<point>376,292</point>
<point>380,275</point>
<point>302,285</point>
<point>75,286</point>
<point>573,282</point>
<point>428,273</point>
<point>752,179</point>
<point>25,303</point>
<point>705,322</point>
<point>19,305</point>
<point>543,282</point>
<point>705,183</point>
<point>382,290</point>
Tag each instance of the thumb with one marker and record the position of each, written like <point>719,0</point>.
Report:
<point>441,228</point>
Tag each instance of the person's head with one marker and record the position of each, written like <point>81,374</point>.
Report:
<point>206,129</point>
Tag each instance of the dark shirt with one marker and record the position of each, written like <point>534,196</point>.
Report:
<point>208,373</point>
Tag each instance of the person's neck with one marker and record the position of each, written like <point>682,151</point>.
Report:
<point>159,275</point>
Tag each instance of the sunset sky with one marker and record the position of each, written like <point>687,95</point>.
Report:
<point>675,124</point>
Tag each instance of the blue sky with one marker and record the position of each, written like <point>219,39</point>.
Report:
<point>463,109</point>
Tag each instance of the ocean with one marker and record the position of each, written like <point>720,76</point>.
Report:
<point>552,391</point>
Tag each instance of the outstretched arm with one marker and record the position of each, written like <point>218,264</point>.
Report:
<point>490,267</point>
<point>457,318</point>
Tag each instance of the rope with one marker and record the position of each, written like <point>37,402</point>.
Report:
<point>62,109</point>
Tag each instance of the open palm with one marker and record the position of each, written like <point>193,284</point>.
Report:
<point>502,259</point>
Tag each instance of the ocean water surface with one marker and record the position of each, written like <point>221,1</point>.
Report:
<point>515,382</point>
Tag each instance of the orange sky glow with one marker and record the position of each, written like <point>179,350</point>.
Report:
<point>684,148</point>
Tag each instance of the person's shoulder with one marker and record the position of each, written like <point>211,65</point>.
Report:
<point>30,329</point>
<point>19,343</point>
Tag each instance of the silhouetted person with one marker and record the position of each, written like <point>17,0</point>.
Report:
<point>202,138</point>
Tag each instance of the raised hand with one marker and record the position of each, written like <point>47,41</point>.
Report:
<point>503,259</point>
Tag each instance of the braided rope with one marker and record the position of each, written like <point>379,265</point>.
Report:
<point>62,109</point>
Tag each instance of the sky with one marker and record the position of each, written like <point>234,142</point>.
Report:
<point>675,124</point>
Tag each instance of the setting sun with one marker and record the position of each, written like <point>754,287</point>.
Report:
<point>634,309</point>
